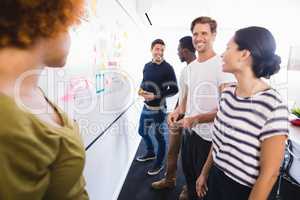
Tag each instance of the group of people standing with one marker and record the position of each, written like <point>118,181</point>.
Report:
<point>229,124</point>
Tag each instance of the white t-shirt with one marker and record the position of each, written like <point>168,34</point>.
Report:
<point>201,81</point>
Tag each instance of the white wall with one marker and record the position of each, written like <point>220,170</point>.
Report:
<point>172,19</point>
<point>116,38</point>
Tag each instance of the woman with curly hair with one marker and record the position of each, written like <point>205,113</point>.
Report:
<point>41,153</point>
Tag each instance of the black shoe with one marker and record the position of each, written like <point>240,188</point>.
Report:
<point>155,170</point>
<point>147,157</point>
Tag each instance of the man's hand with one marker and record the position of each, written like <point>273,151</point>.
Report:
<point>187,122</point>
<point>148,96</point>
<point>141,92</point>
<point>172,118</point>
<point>201,186</point>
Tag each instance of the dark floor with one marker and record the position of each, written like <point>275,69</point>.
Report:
<point>137,185</point>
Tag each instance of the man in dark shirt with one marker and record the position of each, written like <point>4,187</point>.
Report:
<point>159,82</point>
<point>186,53</point>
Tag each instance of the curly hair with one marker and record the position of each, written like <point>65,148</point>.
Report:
<point>22,22</point>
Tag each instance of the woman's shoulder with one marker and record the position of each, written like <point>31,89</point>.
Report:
<point>273,97</point>
<point>229,87</point>
<point>20,130</point>
<point>11,115</point>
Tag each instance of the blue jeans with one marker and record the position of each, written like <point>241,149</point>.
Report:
<point>148,119</point>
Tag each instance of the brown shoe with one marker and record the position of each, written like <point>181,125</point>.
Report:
<point>164,184</point>
<point>184,193</point>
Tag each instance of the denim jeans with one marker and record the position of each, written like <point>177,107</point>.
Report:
<point>155,119</point>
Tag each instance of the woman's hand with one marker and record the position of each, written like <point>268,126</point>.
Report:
<point>201,185</point>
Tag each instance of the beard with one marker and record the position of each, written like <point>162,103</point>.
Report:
<point>200,47</point>
<point>158,58</point>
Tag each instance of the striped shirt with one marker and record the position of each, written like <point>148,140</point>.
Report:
<point>240,127</point>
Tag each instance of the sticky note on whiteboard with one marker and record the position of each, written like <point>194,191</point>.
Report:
<point>99,83</point>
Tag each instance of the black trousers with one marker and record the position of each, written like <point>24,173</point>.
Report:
<point>221,187</point>
<point>287,191</point>
<point>194,152</point>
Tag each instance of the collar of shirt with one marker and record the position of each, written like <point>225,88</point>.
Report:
<point>157,63</point>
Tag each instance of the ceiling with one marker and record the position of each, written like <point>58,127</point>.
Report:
<point>228,13</point>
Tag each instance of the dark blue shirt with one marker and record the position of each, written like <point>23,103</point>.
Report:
<point>159,79</point>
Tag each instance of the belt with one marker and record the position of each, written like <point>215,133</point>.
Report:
<point>153,107</point>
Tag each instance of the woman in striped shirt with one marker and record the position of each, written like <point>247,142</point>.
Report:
<point>251,126</point>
